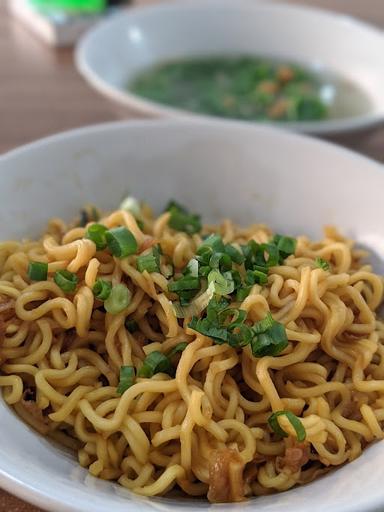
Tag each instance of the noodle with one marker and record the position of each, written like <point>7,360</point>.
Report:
<point>213,418</point>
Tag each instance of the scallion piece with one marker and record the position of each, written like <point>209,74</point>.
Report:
<point>127,379</point>
<point>234,254</point>
<point>293,420</point>
<point>102,289</point>
<point>286,246</point>
<point>256,277</point>
<point>149,262</point>
<point>178,348</point>
<point>155,362</point>
<point>131,204</point>
<point>187,282</point>
<point>222,284</point>
<point>182,220</point>
<point>37,271</point>
<point>321,263</point>
<point>270,338</point>
<point>242,293</point>
<point>65,280</point>
<point>264,324</point>
<point>121,242</point>
<point>192,268</point>
<point>96,233</point>
<point>118,299</point>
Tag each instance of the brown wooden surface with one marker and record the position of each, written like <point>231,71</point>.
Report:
<point>41,93</point>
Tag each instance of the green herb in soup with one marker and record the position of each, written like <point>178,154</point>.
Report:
<point>235,87</point>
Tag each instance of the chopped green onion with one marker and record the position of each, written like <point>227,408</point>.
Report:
<point>294,421</point>
<point>204,270</point>
<point>286,246</point>
<point>178,348</point>
<point>149,262</point>
<point>187,282</point>
<point>220,260</point>
<point>242,293</point>
<point>131,204</point>
<point>131,325</point>
<point>264,324</point>
<point>234,254</point>
<point>155,362</point>
<point>96,233</point>
<point>270,338</point>
<point>256,277</point>
<point>223,284</point>
<point>192,268</point>
<point>182,220</point>
<point>66,280</point>
<point>119,299</point>
<point>121,242</point>
<point>102,289</point>
<point>321,263</point>
<point>195,307</point>
<point>127,378</point>
<point>37,271</point>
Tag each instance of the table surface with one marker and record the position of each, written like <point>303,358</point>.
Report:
<point>41,93</point>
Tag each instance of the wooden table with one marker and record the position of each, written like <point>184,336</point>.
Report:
<point>41,93</point>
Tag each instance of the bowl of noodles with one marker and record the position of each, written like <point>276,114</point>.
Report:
<point>190,315</point>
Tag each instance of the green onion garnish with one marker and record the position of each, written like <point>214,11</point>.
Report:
<point>155,362</point>
<point>182,220</point>
<point>127,378</point>
<point>294,421</point>
<point>286,246</point>
<point>222,284</point>
<point>178,348</point>
<point>192,268</point>
<point>37,271</point>
<point>242,293</point>
<point>131,325</point>
<point>187,282</point>
<point>149,262</point>
<point>256,277</point>
<point>234,254</point>
<point>118,299</point>
<point>96,233</point>
<point>66,280</point>
<point>121,242</point>
<point>132,205</point>
<point>102,289</point>
<point>266,337</point>
<point>321,263</point>
<point>270,337</point>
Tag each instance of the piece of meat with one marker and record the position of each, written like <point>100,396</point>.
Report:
<point>31,407</point>
<point>294,458</point>
<point>226,483</point>
<point>7,308</point>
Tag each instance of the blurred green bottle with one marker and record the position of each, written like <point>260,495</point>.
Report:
<point>71,6</point>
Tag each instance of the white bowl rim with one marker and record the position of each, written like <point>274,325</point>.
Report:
<point>152,108</point>
<point>47,501</point>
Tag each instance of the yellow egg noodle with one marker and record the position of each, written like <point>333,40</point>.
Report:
<point>203,428</point>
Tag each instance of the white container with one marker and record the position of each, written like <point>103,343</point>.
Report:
<point>113,52</point>
<point>293,183</point>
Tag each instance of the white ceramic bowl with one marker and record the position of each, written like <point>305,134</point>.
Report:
<point>293,183</point>
<point>111,54</point>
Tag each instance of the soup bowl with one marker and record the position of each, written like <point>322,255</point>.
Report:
<point>113,53</point>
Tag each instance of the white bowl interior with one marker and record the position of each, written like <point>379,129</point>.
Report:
<point>116,50</point>
<point>295,184</point>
